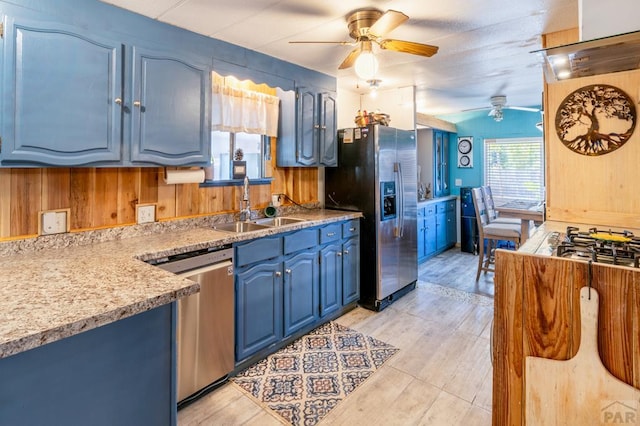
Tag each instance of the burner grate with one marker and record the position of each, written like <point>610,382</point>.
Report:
<point>612,247</point>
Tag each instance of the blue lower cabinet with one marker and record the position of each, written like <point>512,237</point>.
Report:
<point>331,278</point>
<point>258,307</point>
<point>122,373</point>
<point>301,281</point>
<point>351,271</point>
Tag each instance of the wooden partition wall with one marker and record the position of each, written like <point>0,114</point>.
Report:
<point>600,190</point>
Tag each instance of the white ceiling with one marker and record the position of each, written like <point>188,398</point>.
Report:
<point>484,45</point>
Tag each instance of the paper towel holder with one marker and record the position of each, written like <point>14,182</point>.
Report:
<point>176,176</point>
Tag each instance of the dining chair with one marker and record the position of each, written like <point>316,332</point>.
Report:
<point>490,233</point>
<point>491,209</point>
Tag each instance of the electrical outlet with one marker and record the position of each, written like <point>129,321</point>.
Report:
<point>53,221</point>
<point>145,213</point>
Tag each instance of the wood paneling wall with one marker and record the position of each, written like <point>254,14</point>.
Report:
<point>537,313</point>
<point>107,197</point>
<point>598,190</point>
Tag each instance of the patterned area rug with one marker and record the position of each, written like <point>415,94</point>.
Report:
<point>302,382</point>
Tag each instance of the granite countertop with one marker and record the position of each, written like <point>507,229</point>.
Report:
<point>52,293</point>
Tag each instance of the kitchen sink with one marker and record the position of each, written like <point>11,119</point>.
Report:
<point>239,227</point>
<point>278,221</point>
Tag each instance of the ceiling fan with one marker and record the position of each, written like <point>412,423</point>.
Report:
<point>369,26</point>
<point>499,103</point>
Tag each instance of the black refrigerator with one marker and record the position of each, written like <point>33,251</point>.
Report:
<point>377,175</point>
<point>468,224</point>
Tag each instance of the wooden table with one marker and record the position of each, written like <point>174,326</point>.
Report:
<point>526,212</point>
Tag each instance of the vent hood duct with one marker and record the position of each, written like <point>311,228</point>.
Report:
<point>594,57</point>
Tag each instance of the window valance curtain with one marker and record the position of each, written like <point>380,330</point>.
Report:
<point>240,110</point>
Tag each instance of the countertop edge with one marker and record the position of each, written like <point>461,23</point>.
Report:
<point>135,256</point>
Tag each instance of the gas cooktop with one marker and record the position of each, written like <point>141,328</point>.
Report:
<point>612,247</point>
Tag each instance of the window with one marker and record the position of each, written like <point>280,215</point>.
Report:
<point>514,169</point>
<point>225,144</point>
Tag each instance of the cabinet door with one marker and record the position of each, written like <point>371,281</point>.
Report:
<point>331,278</point>
<point>452,228</point>
<point>169,107</point>
<point>328,140</point>
<point>61,93</point>
<point>350,270</point>
<point>441,231</point>
<point>306,140</point>
<point>258,307</point>
<point>430,234</point>
<point>440,166</point>
<point>301,280</point>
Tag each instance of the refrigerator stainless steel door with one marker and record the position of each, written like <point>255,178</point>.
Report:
<point>406,157</point>
<point>397,244</point>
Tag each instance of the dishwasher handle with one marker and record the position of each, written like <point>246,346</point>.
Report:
<point>192,272</point>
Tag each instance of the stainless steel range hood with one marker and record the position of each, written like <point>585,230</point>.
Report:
<point>594,57</point>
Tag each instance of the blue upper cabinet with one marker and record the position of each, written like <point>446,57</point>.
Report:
<point>169,107</point>
<point>71,99</point>
<point>61,89</point>
<point>308,130</point>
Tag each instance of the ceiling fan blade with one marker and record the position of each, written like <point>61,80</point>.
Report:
<point>343,43</point>
<point>389,21</point>
<point>408,47</point>
<point>350,59</point>
<point>524,108</point>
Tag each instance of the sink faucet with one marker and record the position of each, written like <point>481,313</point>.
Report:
<point>245,207</point>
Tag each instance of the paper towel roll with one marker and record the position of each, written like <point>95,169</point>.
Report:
<point>172,177</point>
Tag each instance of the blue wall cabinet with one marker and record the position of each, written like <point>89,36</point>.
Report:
<point>72,99</point>
<point>258,307</point>
<point>440,163</point>
<point>61,89</point>
<point>315,141</point>
<point>169,106</point>
<point>328,133</point>
<point>301,283</point>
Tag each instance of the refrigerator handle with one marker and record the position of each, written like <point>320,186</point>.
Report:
<point>397,168</point>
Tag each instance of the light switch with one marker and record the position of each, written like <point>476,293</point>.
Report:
<point>458,182</point>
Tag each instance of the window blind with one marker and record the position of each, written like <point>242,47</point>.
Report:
<point>514,169</point>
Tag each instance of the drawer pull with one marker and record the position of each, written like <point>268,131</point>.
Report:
<point>346,252</point>
<point>352,229</point>
<point>278,274</point>
<point>331,234</point>
<point>288,271</point>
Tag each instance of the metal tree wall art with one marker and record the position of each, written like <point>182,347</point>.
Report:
<point>596,119</point>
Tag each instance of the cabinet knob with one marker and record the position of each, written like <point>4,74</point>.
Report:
<point>136,104</point>
<point>352,229</point>
<point>316,126</point>
<point>118,101</point>
<point>288,271</point>
<point>278,274</point>
<point>339,254</point>
<point>346,252</point>
<point>331,234</point>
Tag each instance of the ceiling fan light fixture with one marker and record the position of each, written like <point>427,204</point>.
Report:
<point>366,66</point>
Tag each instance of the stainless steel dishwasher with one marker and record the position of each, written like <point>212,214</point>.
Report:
<point>205,328</point>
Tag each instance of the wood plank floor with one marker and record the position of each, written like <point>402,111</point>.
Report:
<point>441,376</point>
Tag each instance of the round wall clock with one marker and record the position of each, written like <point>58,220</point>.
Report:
<point>596,119</point>
<point>465,156</point>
